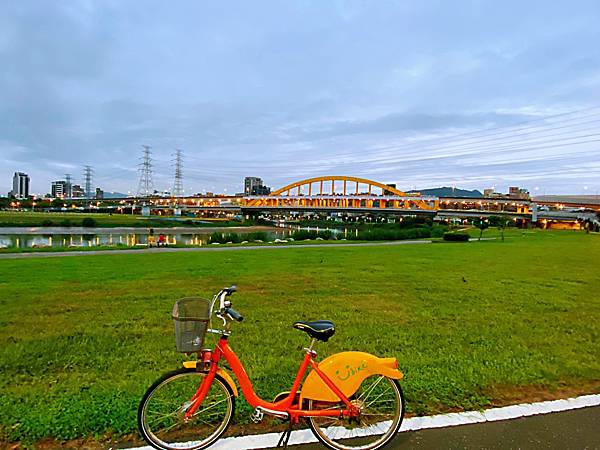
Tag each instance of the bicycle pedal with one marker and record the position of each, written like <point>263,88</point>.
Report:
<point>257,416</point>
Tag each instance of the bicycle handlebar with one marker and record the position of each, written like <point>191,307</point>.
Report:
<point>234,314</point>
<point>225,305</point>
<point>230,290</point>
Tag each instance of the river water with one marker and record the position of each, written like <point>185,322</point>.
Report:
<point>119,237</point>
<point>81,237</point>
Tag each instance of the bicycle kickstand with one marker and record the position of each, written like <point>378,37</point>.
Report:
<point>285,437</point>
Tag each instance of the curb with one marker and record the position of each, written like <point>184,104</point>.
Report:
<point>269,440</point>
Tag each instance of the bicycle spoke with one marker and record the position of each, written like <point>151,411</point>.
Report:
<point>368,391</point>
<point>373,401</point>
<point>163,410</point>
<point>209,407</point>
<point>380,404</point>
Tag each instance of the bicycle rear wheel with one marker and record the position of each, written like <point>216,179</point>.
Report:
<point>381,406</point>
<point>162,410</point>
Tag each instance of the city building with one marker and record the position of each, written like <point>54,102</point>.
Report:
<point>78,191</point>
<point>99,193</point>
<point>516,192</point>
<point>513,193</point>
<point>250,183</point>
<point>20,185</point>
<point>255,186</point>
<point>260,190</point>
<point>59,189</point>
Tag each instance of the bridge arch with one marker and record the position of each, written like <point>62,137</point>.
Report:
<point>344,179</point>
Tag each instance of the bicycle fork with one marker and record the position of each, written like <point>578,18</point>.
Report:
<point>201,393</point>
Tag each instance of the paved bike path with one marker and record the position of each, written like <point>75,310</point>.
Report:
<point>569,430</point>
<point>557,424</point>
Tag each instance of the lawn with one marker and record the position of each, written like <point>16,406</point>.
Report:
<point>472,324</point>
<point>74,219</point>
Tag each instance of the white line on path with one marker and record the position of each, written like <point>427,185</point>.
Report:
<point>269,440</point>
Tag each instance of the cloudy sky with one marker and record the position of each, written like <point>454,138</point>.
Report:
<point>471,94</point>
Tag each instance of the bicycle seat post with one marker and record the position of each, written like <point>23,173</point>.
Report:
<point>309,349</point>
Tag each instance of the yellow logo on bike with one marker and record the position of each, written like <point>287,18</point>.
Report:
<point>350,371</point>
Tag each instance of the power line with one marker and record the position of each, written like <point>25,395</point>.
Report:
<point>477,135</point>
<point>473,137</point>
<point>146,185</point>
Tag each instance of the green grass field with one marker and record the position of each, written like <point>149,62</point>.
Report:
<point>472,324</point>
<point>74,219</point>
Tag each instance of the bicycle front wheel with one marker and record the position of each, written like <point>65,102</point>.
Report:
<point>161,415</point>
<point>381,405</point>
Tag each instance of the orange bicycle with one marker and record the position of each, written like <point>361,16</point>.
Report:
<point>352,400</point>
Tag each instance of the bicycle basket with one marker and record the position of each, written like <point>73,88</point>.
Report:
<point>191,316</point>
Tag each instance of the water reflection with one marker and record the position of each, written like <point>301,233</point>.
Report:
<point>42,240</point>
<point>25,241</point>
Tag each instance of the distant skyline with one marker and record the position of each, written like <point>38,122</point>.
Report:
<point>473,94</point>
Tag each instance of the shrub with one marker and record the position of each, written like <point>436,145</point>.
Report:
<point>65,223</point>
<point>47,223</point>
<point>88,222</point>
<point>438,231</point>
<point>232,237</point>
<point>456,237</point>
<point>378,234</point>
<point>216,237</point>
<point>223,238</point>
<point>257,236</point>
<point>302,235</point>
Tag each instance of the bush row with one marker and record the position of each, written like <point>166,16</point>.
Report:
<point>456,237</point>
<point>372,234</point>
<point>302,235</point>
<point>391,235</point>
<point>235,238</point>
<point>88,222</point>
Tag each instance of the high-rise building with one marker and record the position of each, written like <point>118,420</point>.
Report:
<point>251,182</point>
<point>255,186</point>
<point>260,190</point>
<point>20,185</point>
<point>99,193</point>
<point>60,189</point>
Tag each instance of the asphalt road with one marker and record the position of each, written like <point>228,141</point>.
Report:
<point>577,429</point>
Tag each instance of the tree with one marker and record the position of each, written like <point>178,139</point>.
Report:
<point>501,222</point>
<point>482,224</point>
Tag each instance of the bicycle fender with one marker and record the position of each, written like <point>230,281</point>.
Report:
<point>222,372</point>
<point>347,370</point>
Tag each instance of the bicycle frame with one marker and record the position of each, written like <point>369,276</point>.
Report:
<point>284,408</point>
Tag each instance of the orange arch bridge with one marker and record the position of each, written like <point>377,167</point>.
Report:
<point>341,193</point>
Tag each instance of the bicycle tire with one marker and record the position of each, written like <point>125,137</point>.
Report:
<point>160,414</point>
<point>342,434</point>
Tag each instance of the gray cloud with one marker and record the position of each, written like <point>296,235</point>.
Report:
<point>290,90</point>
